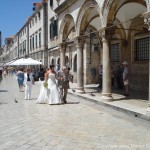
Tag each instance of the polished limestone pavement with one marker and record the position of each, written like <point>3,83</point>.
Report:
<point>78,125</point>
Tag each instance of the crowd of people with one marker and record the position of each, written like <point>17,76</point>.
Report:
<point>119,74</point>
<point>54,87</point>
<point>55,81</point>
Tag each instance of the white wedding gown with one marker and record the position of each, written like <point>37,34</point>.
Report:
<point>53,91</point>
<point>43,96</point>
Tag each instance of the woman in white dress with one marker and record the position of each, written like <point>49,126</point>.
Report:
<point>53,91</point>
<point>43,96</point>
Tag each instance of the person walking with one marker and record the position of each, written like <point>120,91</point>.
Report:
<point>1,74</point>
<point>63,83</point>
<point>43,95</point>
<point>28,81</point>
<point>125,77</point>
<point>100,71</point>
<point>118,76</point>
<point>53,91</point>
<point>20,79</point>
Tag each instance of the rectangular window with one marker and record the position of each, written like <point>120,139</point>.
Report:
<point>55,27</point>
<point>30,44</point>
<point>33,42</point>
<point>141,49</point>
<point>39,15</point>
<point>39,39</point>
<point>36,41</point>
<point>115,52</point>
<point>35,19</point>
<point>51,3</point>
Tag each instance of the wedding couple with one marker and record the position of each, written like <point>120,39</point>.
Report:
<point>55,87</point>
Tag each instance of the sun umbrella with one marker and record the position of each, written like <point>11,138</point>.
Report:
<point>8,63</point>
<point>25,61</point>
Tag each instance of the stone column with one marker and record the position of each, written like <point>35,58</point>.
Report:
<point>106,86</point>
<point>62,48</point>
<point>79,46</point>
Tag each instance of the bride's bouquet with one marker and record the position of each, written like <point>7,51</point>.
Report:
<point>45,84</point>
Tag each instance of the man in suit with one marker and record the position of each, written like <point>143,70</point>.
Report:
<point>63,83</point>
<point>28,81</point>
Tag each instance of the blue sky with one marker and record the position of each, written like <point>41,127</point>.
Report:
<point>13,14</point>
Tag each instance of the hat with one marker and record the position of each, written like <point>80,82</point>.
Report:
<point>125,63</point>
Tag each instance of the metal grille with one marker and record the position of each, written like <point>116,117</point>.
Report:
<point>115,52</point>
<point>142,47</point>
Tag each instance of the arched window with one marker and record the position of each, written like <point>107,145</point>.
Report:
<point>67,61</point>
<point>75,64</point>
<point>52,61</point>
<point>58,61</point>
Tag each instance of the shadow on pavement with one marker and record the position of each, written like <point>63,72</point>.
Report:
<point>3,91</point>
<point>72,102</point>
<point>3,103</point>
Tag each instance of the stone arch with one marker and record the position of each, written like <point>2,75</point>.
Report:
<point>67,26</point>
<point>84,11</point>
<point>113,6</point>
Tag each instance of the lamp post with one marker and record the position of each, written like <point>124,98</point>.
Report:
<point>146,16</point>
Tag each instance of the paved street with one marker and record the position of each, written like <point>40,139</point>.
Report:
<point>78,125</point>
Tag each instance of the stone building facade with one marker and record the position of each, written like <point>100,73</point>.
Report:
<point>104,32</point>
<point>85,34</point>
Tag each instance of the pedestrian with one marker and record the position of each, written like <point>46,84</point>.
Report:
<point>100,71</point>
<point>20,79</point>
<point>1,76</point>
<point>118,76</point>
<point>125,78</point>
<point>28,81</point>
<point>112,75</point>
<point>57,68</point>
<point>5,72</point>
<point>63,83</point>
<point>43,95</point>
<point>53,90</point>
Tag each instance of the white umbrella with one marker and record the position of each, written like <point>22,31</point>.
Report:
<point>25,61</point>
<point>8,63</point>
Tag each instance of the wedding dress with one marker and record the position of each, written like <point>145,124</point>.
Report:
<point>53,91</point>
<point>43,96</point>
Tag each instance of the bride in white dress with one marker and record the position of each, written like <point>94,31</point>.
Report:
<point>43,96</point>
<point>53,91</point>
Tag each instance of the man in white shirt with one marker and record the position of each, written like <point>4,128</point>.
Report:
<point>28,81</point>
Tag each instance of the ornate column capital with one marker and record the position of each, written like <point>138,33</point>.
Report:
<point>79,41</point>
<point>107,32</point>
<point>62,46</point>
